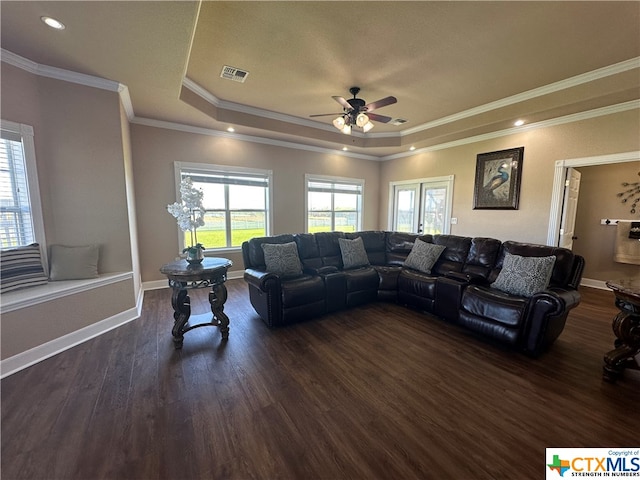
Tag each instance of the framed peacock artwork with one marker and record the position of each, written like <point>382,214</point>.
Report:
<point>498,176</point>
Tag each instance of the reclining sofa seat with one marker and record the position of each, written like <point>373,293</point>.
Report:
<point>529,323</point>
<point>277,300</point>
<point>458,289</point>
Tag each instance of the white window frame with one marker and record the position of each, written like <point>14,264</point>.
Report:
<point>35,202</point>
<point>445,180</point>
<point>208,168</point>
<point>326,178</point>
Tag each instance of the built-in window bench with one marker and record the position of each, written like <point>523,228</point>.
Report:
<point>27,297</point>
<point>38,322</point>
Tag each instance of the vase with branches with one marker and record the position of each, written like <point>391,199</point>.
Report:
<point>189,213</point>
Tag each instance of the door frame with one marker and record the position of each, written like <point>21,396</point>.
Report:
<point>449,179</point>
<point>557,194</point>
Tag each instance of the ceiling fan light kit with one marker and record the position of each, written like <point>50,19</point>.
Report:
<point>357,112</point>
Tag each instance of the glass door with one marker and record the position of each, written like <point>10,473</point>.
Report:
<point>422,206</point>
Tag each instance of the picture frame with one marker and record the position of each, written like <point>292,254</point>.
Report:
<point>497,180</point>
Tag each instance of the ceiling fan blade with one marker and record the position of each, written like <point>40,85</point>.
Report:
<point>378,118</point>
<point>326,114</point>
<point>383,102</point>
<point>344,103</point>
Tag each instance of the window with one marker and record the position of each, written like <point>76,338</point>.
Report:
<point>20,208</point>
<point>334,204</point>
<point>422,206</point>
<point>236,202</point>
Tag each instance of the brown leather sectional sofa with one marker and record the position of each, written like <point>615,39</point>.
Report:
<point>458,289</point>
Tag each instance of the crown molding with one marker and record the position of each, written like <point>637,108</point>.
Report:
<point>149,122</point>
<point>259,112</point>
<point>69,76</point>
<point>123,91</point>
<point>575,117</point>
<point>631,64</point>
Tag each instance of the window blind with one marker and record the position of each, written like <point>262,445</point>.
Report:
<point>16,222</point>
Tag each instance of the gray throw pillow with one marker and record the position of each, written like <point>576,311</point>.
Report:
<point>524,276</point>
<point>282,259</point>
<point>423,256</point>
<point>353,253</point>
<point>73,263</point>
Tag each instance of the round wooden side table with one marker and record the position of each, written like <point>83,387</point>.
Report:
<point>212,272</point>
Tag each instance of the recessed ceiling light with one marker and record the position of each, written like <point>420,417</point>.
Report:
<point>231,129</point>
<point>519,123</point>
<point>412,148</point>
<point>345,149</point>
<point>53,23</point>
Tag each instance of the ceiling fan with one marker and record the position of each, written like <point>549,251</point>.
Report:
<point>357,112</point>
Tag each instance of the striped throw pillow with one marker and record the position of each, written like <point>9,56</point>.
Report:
<point>21,267</point>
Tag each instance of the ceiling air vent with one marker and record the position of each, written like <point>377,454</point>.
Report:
<point>398,121</point>
<point>233,73</point>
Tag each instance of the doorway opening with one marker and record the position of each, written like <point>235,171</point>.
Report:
<point>559,185</point>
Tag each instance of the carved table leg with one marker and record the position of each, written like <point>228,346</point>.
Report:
<point>626,327</point>
<point>181,304</point>
<point>217,297</point>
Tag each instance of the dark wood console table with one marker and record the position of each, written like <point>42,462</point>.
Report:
<point>626,327</point>
<point>212,272</point>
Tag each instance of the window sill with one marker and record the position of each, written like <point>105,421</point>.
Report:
<point>27,297</point>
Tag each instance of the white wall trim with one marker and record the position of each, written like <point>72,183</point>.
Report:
<point>58,73</point>
<point>571,82</point>
<point>557,193</point>
<point>281,117</point>
<point>34,355</point>
<point>600,284</point>
<point>247,138</point>
<point>70,76</point>
<point>575,117</point>
<point>28,297</point>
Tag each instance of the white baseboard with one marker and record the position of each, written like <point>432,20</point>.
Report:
<point>34,355</point>
<point>588,282</point>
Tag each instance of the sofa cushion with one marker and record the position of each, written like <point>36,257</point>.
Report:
<point>423,256</point>
<point>493,304</point>
<point>375,242</point>
<point>524,276</point>
<point>74,263</point>
<point>353,253</point>
<point>282,259</point>
<point>255,253</point>
<point>21,267</point>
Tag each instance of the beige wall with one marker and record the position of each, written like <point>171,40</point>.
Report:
<point>598,188</point>
<point>81,153</point>
<point>32,326</point>
<point>80,159</point>
<point>155,150</point>
<point>543,147</point>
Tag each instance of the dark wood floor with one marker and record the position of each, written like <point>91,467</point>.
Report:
<point>374,392</point>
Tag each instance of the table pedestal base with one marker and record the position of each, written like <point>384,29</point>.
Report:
<point>181,304</point>
<point>210,273</point>
<point>626,327</point>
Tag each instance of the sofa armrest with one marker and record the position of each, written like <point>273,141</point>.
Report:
<point>260,279</point>
<point>546,318</point>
